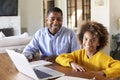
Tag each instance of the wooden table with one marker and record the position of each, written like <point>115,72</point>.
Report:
<point>9,72</point>
<point>70,72</point>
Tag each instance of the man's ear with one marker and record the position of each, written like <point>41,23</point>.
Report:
<point>46,19</point>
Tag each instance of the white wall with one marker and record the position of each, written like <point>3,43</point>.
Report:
<point>107,15</point>
<point>114,15</point>
<point>101,14</point>
<point>31,12</point>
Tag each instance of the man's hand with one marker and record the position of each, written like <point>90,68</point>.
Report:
<point>51,58</point>
<point>77,67</point>
<point>28,56</point>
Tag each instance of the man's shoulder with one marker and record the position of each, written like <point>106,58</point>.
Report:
<point>42,30</point>
<point>67,29</point>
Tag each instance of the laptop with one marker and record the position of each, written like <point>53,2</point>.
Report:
<point>35,72</point>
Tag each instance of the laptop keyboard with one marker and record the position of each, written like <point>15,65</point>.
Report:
<point>41,74</point>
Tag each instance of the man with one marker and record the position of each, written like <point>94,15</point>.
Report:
<point>53,39</point>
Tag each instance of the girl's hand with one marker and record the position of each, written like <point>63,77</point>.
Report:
<point>101,73</point>
<point>77,67</point>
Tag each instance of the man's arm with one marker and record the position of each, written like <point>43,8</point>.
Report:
<point>31,49</point>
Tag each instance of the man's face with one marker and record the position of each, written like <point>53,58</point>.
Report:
<point>54,22</point>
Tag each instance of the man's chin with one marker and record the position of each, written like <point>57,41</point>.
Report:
<point>55,30</point>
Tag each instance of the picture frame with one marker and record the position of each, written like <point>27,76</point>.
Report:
<point>100,4</point>
<point>8,7</point>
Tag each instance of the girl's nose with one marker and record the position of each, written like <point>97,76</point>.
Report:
<point>89,42</point>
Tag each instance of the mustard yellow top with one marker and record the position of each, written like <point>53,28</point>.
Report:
<point>99,62</point>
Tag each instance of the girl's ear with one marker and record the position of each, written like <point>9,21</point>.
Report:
<point>98,44</point>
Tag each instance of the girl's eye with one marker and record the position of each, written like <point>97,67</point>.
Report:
<point>85,39</point>
<point>92,40</point>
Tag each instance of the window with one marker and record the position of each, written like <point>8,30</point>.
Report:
<point>86,9</point>
<point>77,10</point>
<point>72,13</point>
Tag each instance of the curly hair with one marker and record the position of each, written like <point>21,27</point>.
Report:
<point>97,29</point>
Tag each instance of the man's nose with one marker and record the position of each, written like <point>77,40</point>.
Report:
<point>55,22</point>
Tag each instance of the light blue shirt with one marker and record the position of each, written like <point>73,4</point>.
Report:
<point>64,41</point>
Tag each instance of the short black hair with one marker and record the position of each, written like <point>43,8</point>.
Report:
<point>54,9</point>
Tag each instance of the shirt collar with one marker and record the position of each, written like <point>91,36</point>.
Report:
<point>56,33</point>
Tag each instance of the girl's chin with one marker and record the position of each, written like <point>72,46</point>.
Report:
<point>88,49</point>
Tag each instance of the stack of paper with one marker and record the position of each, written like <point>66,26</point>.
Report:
<point>71,78</point>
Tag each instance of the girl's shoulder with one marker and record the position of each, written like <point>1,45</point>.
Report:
<point>80,51</point>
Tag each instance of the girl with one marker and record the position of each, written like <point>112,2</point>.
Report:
<point>93,37</point>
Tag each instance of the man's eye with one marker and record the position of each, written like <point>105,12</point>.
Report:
<point>51,19</point>
<point>58,19</point>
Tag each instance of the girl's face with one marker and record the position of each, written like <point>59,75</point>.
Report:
<point>90,42</point>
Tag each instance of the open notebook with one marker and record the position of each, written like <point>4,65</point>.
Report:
<point>35,72</point>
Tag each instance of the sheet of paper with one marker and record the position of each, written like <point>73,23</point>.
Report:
<point>40,62</point>
<point>71,78</point>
